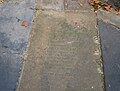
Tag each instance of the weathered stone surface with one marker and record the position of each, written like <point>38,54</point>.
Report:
<point>77,5</point>
<point>52,4</point>
<point>61,5</point>
<point>13,40</point>
<point>62,56</point>
<point>109,17</point>
<point>110,36</point>
<point>10,65</point>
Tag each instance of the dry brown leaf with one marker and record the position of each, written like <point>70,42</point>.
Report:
<point>81,4</point>
<point>108,7</point>
<point>25,23</point>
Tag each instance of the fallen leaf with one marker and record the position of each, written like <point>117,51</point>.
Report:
<point>107,7</point>
<point>98,4</point>
<point>25,23</point>
<point>81,4</point>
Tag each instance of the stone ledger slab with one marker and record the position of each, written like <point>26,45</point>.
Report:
<point>62,54</point>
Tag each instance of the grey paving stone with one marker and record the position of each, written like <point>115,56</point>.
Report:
<point>16,46</point>
<point>110,36</point>
<point>77,5</point>
<point>13,39</point>
<point>52,4</point>
<point>10,65</point>
<point>109,17</point>
<point>61,5</point>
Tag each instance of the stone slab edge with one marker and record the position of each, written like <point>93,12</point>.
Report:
<point>109,17</point>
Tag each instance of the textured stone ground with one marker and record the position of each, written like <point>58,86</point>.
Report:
<point>110,36</point>
<point>64,52</point>
<point>109,29</point>
<point>61,56</point>
<point>13,40</point>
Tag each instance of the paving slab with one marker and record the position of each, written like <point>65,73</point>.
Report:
<point>82,5</point>
<point>13,39</point>
<point>109,17</point>
<point>10,65</point>
<point>110,43</point>
<point>61,5</point>
<point>63,54</point>
<point>52,4</point>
